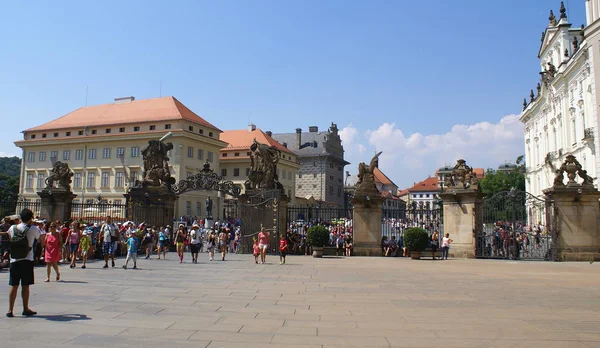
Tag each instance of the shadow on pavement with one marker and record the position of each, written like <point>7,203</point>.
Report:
<point>62,317</point>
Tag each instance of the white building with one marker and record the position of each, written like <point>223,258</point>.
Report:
<point>562,117</point>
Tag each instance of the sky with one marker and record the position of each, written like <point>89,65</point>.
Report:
<point>426,82</point>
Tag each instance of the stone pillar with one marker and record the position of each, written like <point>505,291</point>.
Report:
<point>462,217</point>
<point>284,201</point>
<point>154,205</point>
<point>576,235</point>
<point>56,203</point>
<point>366,223</point>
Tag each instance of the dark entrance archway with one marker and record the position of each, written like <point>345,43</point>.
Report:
<point>516,225</point>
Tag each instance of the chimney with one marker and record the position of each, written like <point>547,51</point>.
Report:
<point>299,138</point>
<point>285,145</point>
<point>251,127</point>
<point>123,100</point>
<point>269,133</point>
<point>313,129</point>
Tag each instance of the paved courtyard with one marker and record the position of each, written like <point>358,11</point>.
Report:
<point>331,302</point>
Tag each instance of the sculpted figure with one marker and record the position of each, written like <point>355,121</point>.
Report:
<point>263,167</point>
<point>364,170</point>
<point>156,164</point>
<point>61,174</point>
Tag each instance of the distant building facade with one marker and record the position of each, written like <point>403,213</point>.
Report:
<point>321,154</point>
<point>102,145</point>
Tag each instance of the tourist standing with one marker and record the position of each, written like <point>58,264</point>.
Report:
<point>108,235</point>
<point>211,244</point>
<point>74,235</point>
<point>162,244</point>
<point>255,251</point>
<point>132,246</point>
<point>223,242</point>
<point>446,241</point>
<point>180,238</point>
<point>22,237</point>
<point>263,244</point>
<point>435,243</point>
<point>52,250</point>
<point>84,246</point>
<point>195,241</point>
<point>147,242</point>
<point>283,248</point>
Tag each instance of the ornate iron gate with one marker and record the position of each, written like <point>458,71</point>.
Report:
<point>516,225</point>
<point>259,210</point>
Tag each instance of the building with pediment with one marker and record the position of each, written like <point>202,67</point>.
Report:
<point>560,116</point>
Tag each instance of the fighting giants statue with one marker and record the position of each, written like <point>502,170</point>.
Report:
<point>572,168</point>
<point>366,179</point>
<point>263,167</point>
<point>61,174</point>
<point>156,164</point>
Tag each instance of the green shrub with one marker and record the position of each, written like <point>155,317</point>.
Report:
<point>416,239</point>
<point>317,236</point>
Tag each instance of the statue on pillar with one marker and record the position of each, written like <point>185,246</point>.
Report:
<point>156,164</point>
<point>366,178</point>
<point>61,174</point>
<point>263,167</point>
<point>208,208</point>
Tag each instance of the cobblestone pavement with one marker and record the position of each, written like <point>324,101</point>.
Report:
<point>330,302</point>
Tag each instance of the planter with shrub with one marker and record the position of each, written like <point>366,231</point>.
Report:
<point>416,241</point>
<point>317,237</point>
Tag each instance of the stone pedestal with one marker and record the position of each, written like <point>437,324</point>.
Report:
<point>154,205</point>
<point>208,223</point>
<point>462,215</point>
<point>366,223</point>
<point>576,236</point>
<point>56,204</point>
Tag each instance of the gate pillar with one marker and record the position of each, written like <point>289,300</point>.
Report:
<point>366,223</point>
<point>56,203</point>
<point>576,236</point>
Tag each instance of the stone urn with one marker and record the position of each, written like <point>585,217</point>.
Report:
<point>317,252</point>
<point>571,169</point>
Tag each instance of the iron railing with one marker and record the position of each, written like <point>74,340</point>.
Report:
<point>12,207</point>
<point>97,212</point>
<point>396,221</point>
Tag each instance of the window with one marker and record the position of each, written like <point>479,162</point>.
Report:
<point>68,134</point>
<point>42,156</point>
<point>29,182</point>
<point>153,127</point>
<point>119,179</point>
<point>79,155</point>
<point>92,154</point>
<point>339,192</point>
<point>224,172</point>
<point>54,154</point>
<point>198,208</point>
<point>94,131</point>
<point>210,156</point>
<point>77,180</point>
<point>66,155</point>
<point>122,130</point>
<point>32,136</point>
<point>80,133</point>
<point>136,128</point>
<point>118,202</point>
<point>420,196</point>
<point>106,152</point>
<point>104,180</point>
<point>135,151</point>
<point>91,180</point>
<point>201,131</point>
<point>168,126</point>
<point>133,176</point>
<point>210,134</point>
<point>330,190</point>
<point>108,130</point>
<point>247,171</point>
<point>331,177</point>
<point>44,135</point>
<point>40,181</point>
<point>191,128</point>
<point>314,176</point>
<point>56,135</point>
<point>224,154</point>
<point>31,157</point>
<point>283,173</point>
<point>120,152</point>
<point>236,154</point>
<point>414,196</point>
<point>299,186</point>
<point>188,208</point>
<point>236,171</point>
<point>314,186</point>
<point>248,153</point>
<point>189,174</point>
<point>299,176</point>
<point>190,152</point>
<point>427,195</point>
<point>200,154</point>
<point>331,165</point>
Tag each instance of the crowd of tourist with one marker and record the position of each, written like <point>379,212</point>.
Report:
<point>513,240</point>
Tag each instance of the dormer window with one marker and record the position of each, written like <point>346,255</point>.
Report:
<point>224,154</point>
<point>210,134</point>
<point>152,127</point>
<point>94,131</point>
<point>136,128</point>
<point>168,126</point>
<point>191,128</point>
<point>122,130</point>
<point>108,130</point>
<point>80,133</point>
<point>68,134</point>
<point>56,135</point>
<point>32,136</point>
<point>201,131</point>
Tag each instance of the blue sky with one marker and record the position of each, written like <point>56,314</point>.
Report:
<point>397,76</point>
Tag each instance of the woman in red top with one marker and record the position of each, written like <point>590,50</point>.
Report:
<point>52,254</point>
<point>263,243</point>
<point>283,249</point>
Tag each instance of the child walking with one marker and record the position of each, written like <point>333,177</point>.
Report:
<point>84,246</point>
<point>256,251</point>
<point>283,249</point>
<point>132,245</point>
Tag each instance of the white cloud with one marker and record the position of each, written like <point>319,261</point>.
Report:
<point>407,159</point>
<point>6,154</point>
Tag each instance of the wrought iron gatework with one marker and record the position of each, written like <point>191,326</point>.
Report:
<point>515,225</point>
<point>259,210</point>
<point>395,221</point>
<point>206,179</point>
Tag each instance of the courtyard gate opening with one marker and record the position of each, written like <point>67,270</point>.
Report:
<point>395,221</point>
<point>259,209</point>
<point>516,225</point>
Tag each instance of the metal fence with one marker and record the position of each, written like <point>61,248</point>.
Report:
<point>13,207</point>
<point>298,217</point>
<point>395,221</point>
<point>97,212</point>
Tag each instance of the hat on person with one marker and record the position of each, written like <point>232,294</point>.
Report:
<point>195,226</point>
<point>85,232</point>
<point>15,217</point>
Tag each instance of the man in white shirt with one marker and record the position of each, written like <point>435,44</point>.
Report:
<point>21,269</point>
<point>109,237</point>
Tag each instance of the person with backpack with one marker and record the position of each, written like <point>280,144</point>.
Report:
<point>22,237</point>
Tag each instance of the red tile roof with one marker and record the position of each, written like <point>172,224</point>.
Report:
<point>241,139</point>
<point>403,193</point>
<point>382,178</point>
<point>137,111</point>
<point>428,185</point>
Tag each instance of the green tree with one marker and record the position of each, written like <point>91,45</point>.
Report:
<point>10,168</point>
<point>498,181</point>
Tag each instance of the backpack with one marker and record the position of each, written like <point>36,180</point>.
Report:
<point>19,244</point>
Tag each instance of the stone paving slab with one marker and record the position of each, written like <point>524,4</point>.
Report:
<point>307,303</point>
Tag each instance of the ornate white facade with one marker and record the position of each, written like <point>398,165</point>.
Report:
<point>562,117</point>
